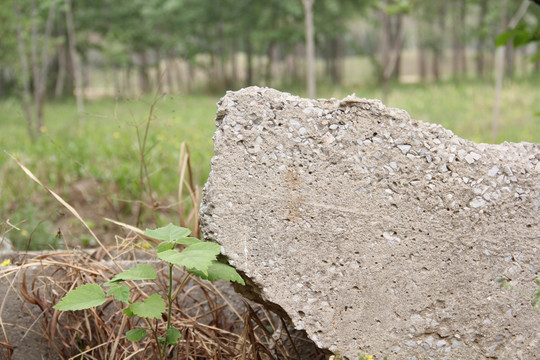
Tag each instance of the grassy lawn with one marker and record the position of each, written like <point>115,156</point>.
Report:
<point>99,159</point>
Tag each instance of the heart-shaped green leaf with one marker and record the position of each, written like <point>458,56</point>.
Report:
<point>168,233</point>
<point>173,334</point>
<point>165,245</point>
<point>120,292</point>
<point>151,308</point>
<point>219,271</point>
<point>197,256</point>
<point>83,297</point>
<point>127,311</point>
<point>139,272</point>
<point>135,334</point>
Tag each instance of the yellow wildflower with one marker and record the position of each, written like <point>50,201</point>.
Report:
<point>145,245</point>
<point>6,262</point>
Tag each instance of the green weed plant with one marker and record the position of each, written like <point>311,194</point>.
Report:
<point>199,258</point>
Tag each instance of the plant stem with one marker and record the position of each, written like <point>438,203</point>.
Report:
<point>169,304</point>
<point>154,331</point>
<point>182,284</point>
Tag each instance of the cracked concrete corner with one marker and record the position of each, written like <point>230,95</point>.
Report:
<point>375,232</point>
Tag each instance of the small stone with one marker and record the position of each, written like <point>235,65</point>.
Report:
<point>404,148</point>
<point>493,171</point>
<point>508,171</point>
<point>477,202</point>
<point>475,155</point>
<point>469,158</point>
<point>441,343</point>
<point>411,344</point>
<point>307,110</point>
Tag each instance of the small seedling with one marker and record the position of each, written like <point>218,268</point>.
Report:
<point>199,258</point>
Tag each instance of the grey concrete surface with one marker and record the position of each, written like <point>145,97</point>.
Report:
<point>374,232</point>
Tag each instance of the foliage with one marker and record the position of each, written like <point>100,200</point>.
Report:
<point>522,35</point>
<point>199,258</point>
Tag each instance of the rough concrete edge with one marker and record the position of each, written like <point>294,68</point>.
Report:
<point>519,153</point>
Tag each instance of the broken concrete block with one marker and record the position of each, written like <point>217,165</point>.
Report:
<point>374,232</point>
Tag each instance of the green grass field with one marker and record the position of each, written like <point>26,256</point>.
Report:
<point>99,159</point>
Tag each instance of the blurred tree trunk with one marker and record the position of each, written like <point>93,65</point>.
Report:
<point>170,71</point>
<point>234,63</point>
<point>438,49</point>
<point>273,65</point>
<point>310,48</point>
<point>421,52</point>
<point>85,72</point>
<point>221,70</point>
<point>296,55</point>
<point>62,71</point>
<point>190,76</point>
<point>458,39</point>
<point>128,89</point>
<point>177,64</point>
<point>510,54</point>
<point>291,66</point>
<point>390,46</point>
<point>159,73</point>
<point>499,62</point>
<point>463,37</point>
<point>34,69</point>
<point>422,22</point>
<point>326,50</point>
<point>499,73</point>
<point>117,81</point>
<point>525,62</point>
<point>422,63</point>
<point>270,55</point>
<point>339,59</point>
<point>144,79</point>
<point>384,45</point>
<point>25,74</point>
<point>75,61</point>
<point>213,72</point>
<point>249,58</point>
<point>481,39</point>
<point>397,40</point>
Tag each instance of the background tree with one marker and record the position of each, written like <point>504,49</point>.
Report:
<point>33,44</point>
<point>179,44</point>
<point>310,47</point>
